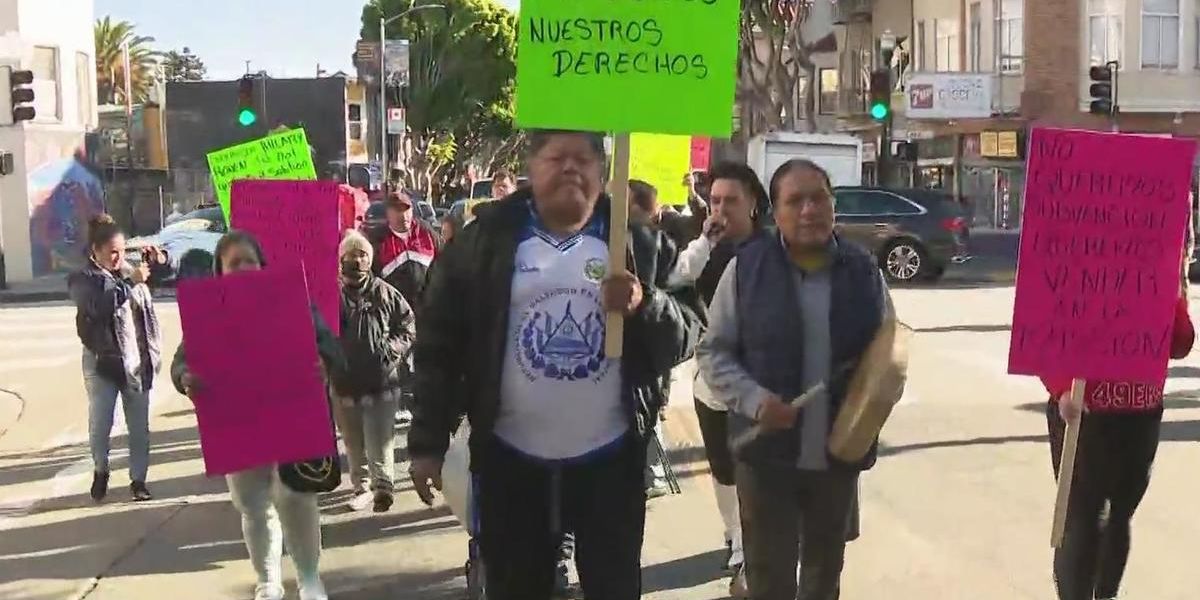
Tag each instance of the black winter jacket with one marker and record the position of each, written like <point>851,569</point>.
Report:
<point>100,299</point>
<point>461,349</point>
<point>378,328</point>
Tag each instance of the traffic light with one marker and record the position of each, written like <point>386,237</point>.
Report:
<point>1103,89</point>
<point>246,115</point>
<point>881,94</point>
<point>15,106</point>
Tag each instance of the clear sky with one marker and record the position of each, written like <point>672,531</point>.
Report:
<point>287,38</point>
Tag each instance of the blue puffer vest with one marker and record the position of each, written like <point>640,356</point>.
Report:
<point>771,345</point>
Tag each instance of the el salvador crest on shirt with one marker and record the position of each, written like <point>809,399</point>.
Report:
<point>560,395</point>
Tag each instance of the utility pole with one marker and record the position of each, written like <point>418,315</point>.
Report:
<point>128,128</point>
<point>882,85</point>
<point>383,85</point>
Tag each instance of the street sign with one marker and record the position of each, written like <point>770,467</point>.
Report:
<point>396,123</point>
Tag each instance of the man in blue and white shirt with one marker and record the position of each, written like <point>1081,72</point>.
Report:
<point>512,335</point>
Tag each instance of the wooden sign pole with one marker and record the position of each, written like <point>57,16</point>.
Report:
<point>1066,469</point>
<point>618,229</point>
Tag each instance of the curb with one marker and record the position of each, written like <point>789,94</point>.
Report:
<point>11,297</point>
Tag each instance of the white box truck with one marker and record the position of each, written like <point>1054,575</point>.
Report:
<point>839,154</point>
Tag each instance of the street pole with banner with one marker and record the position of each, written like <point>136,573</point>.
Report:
<point>384,79</point>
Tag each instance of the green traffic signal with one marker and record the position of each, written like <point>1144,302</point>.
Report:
<point>246,117</point>
<point>879,111</point>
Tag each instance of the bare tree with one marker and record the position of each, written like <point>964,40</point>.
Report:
<point>773,57</point>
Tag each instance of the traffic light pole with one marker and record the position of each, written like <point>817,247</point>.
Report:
<point>383,110</point>
<point>883,161</point>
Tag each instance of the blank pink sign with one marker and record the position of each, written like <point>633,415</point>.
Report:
<point>1101,255</point>
<point>249,339</point>
<point>297,222</point>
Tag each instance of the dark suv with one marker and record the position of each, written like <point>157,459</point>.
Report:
<point>915,233</point>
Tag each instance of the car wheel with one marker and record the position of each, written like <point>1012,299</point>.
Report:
<point>904,261</point>
<point>195,263</point>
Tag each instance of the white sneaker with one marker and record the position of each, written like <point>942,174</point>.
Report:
<point>737,585</point>
<point>268,591</point>
<point>314,590</point>
<point>362,501</point>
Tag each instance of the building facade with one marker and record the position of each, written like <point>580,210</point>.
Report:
<point>980,73</point>
<point>45,203</point>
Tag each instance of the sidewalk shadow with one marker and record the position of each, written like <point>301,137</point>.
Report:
<point>166,447</point>
<point>886,450</point>
<point>683,573</point>
<point>353,584</point>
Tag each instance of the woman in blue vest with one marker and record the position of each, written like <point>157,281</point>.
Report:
<point>793,312</point>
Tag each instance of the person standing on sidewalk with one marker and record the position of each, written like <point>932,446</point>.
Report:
<point>272,513</point>
<point>378,329</point>
<point>118,327</point>
<point>794,310</point>
<point>512,335</point>
<point>737,200</point>
<point>1118,439</point>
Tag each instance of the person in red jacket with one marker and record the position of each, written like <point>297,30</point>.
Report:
<point>1117,443</point>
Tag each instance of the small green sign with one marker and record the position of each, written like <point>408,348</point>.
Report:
<point>654,66</point>
<point>279,156</point>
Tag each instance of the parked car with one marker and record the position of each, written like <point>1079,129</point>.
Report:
<point>914,233</point>
<point>189,243</point>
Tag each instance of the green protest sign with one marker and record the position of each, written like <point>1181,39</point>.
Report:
<point>280,156</point>
<point>654,66</point>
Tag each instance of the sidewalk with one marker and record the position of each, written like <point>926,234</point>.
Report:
<point>47,288</point>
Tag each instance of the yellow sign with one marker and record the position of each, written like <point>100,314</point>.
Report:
<point>999,144</point>
<point>988,143</point>
<point>1007,145</point>
<point>661,161</point>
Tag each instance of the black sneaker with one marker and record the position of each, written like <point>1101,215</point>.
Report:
<point>139,491</point>
<point>99,486</point>
<point>383,502</point>
<point>727,558</point>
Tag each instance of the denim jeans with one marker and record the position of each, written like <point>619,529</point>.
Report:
<point>102,405</point>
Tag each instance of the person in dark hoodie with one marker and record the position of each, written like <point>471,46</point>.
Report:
<point>1118,439</point>
<point>118,327</point>
<point>378,329</point>
<point>512,334</point>
<point>272,513</point>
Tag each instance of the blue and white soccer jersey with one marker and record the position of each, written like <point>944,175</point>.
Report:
<point>560,396</point>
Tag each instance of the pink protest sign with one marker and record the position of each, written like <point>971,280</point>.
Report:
<point>250,342</point>
<point>1101,255</point>
<point>297,222</point>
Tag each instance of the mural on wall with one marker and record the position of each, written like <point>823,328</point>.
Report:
<point>64,191</point>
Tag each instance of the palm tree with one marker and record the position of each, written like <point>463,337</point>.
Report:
<point>110,64</point>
